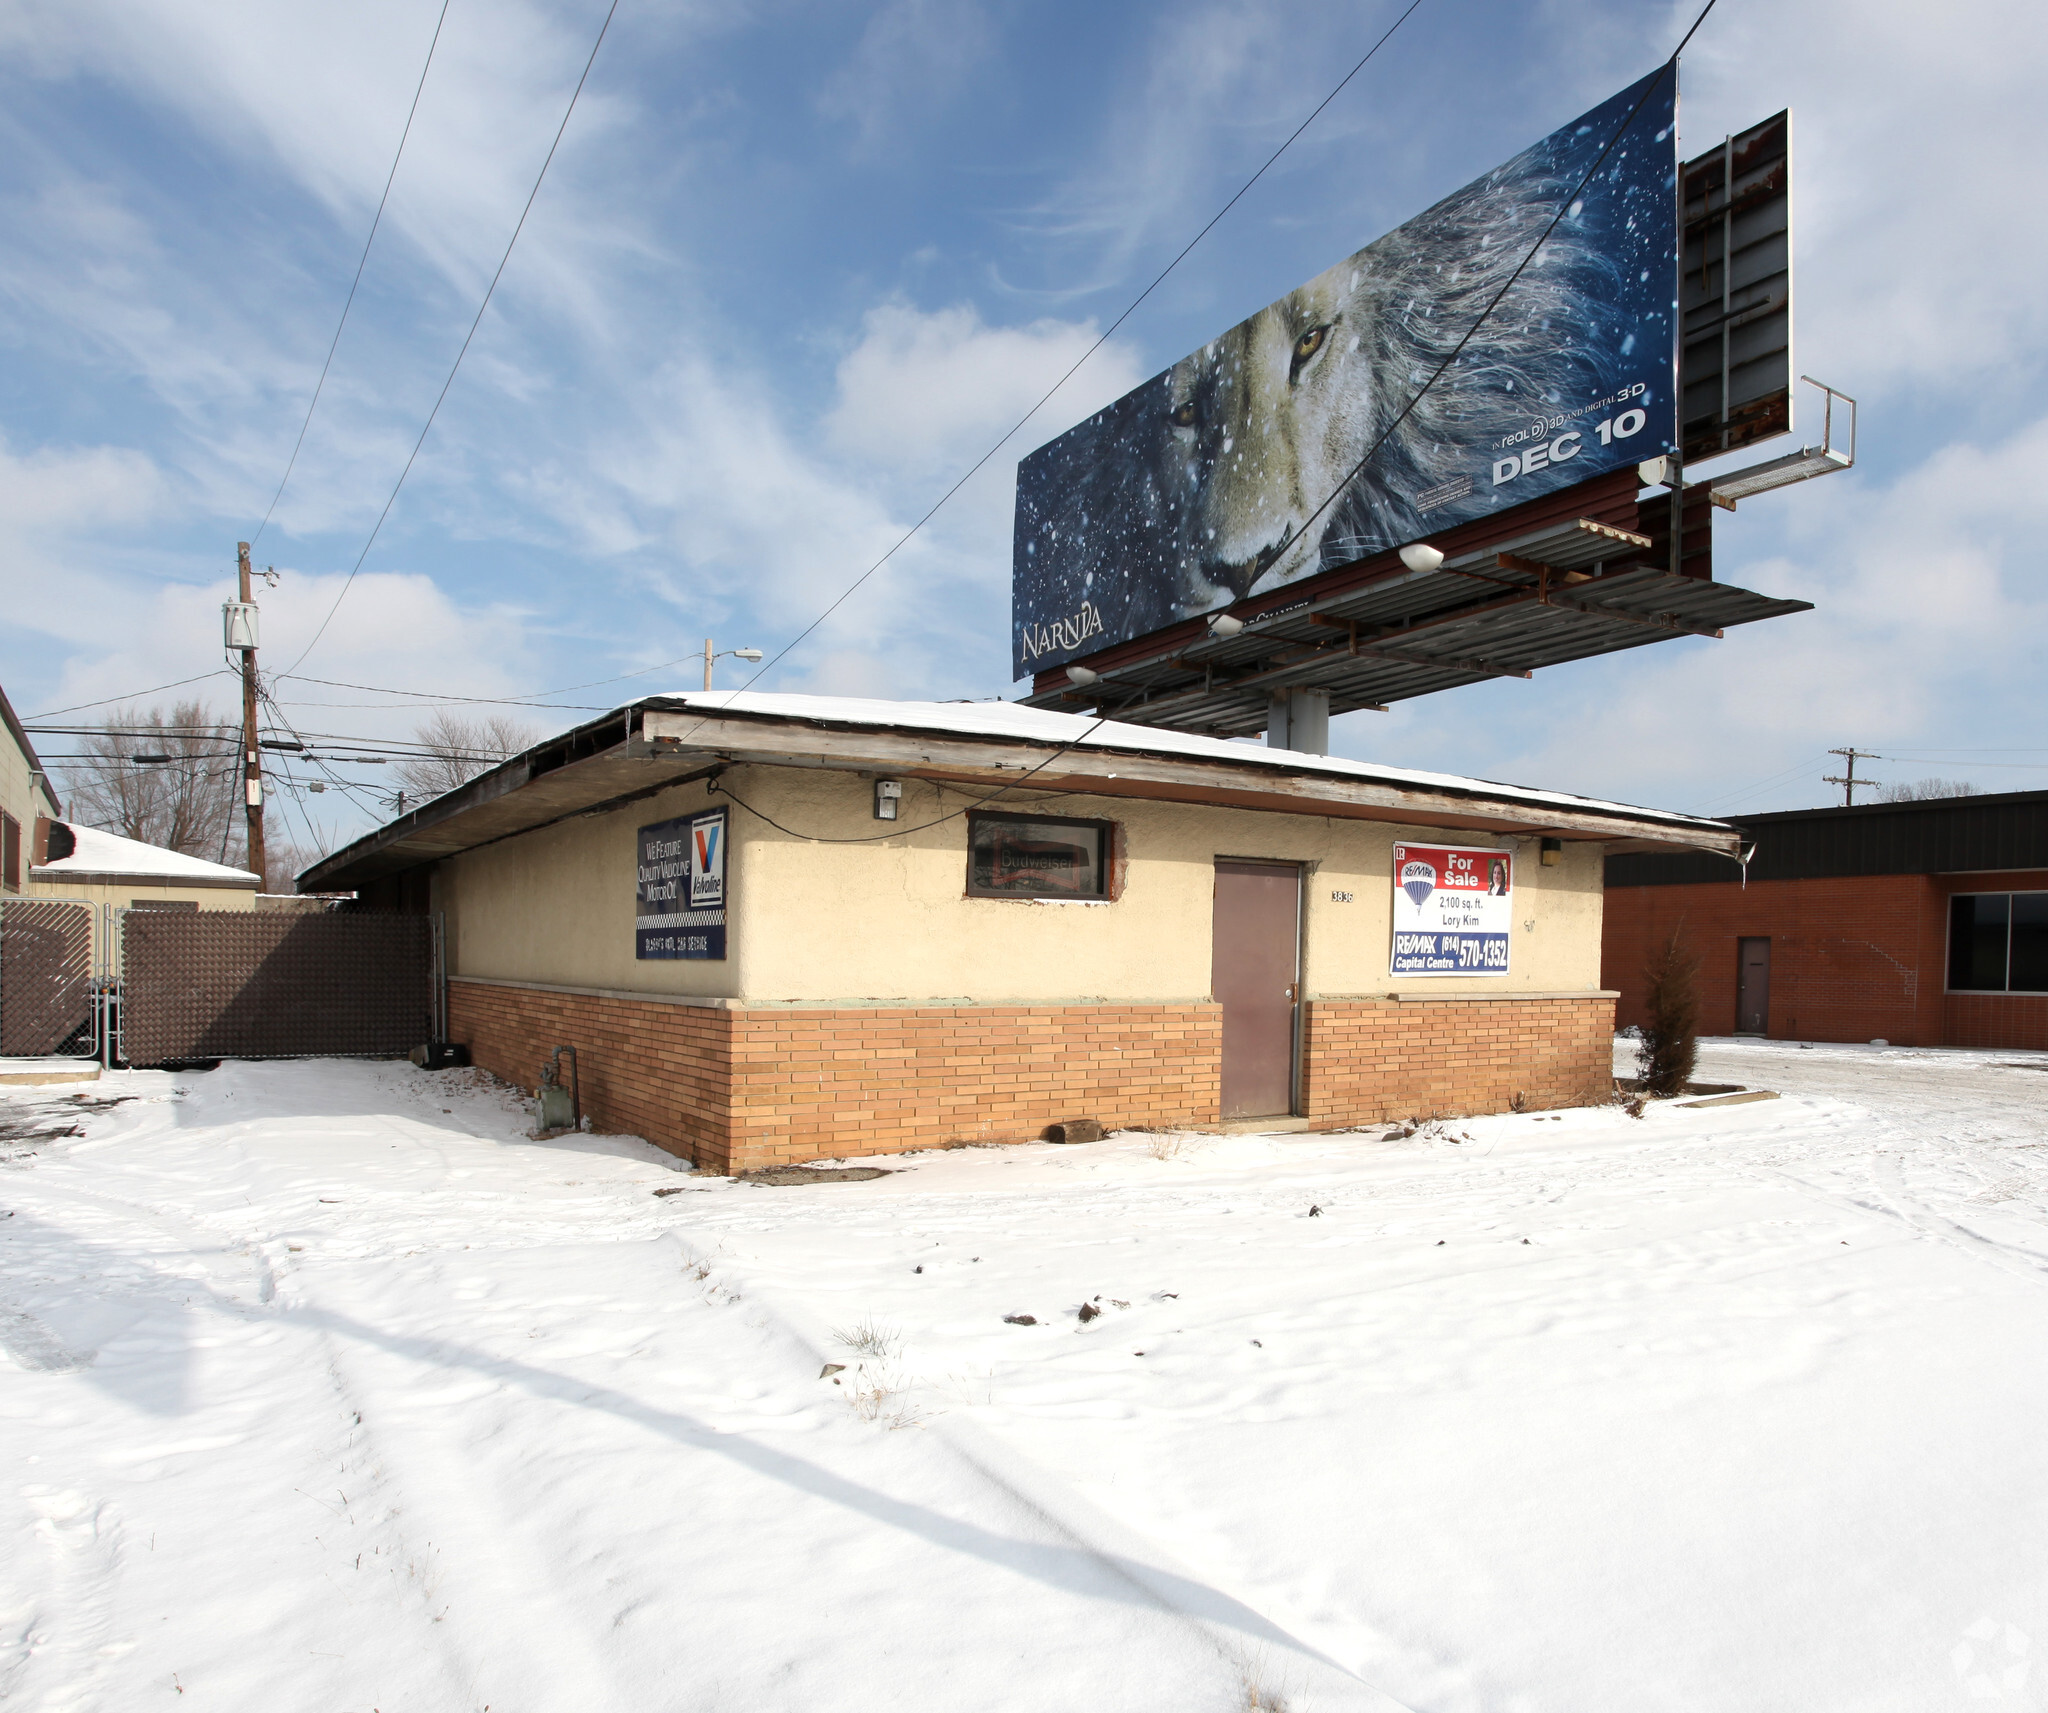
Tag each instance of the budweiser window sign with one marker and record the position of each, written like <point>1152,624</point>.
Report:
<point>1453,910</point>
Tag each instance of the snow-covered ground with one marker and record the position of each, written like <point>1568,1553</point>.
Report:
<point>326,1389</point>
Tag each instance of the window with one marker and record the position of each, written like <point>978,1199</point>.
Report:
<point>10,852</point>
<point>1021,856</point>
<point>1998,942</point>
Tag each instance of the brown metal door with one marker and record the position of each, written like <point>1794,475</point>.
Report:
<point>1753,987</point>
<point>1255,975</point>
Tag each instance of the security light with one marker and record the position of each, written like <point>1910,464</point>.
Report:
<point>888,794</point>
<point>1418,556</point>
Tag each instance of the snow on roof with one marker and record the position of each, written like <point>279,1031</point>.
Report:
<point>1082,731</point>
<point>98,852</point>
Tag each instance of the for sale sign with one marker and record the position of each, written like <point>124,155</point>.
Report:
<point>1453,910</point>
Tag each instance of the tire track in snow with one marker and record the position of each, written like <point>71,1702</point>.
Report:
<point>1237,1632</point>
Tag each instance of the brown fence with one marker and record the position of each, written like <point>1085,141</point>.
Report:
<point>227,984</point>
<point>45,977</point>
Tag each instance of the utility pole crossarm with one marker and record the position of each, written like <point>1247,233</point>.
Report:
<point>1848,780</point>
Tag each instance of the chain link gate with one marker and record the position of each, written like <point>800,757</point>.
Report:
<point>49,978</point>
<point>218,984</point>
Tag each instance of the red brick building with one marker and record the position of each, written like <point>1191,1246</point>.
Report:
<point>1922,924</point>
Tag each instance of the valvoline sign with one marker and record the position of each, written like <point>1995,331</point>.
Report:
<point>1453,910</point>
<point>679,888</point>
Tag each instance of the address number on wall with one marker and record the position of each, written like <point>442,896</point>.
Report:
<point>1343,897</point>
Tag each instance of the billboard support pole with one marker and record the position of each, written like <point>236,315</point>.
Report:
<point>1677,511</point>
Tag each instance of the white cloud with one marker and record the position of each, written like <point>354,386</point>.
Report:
<point>1924,635</point>
<point>912,56</point>
<point>938,387</point>
<point>55,489</point>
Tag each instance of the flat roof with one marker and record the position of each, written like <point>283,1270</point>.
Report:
<point>101,858</point>
<point>1984,832</point>
<point>650,744</point>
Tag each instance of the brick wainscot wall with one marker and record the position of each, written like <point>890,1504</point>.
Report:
<point>736,1087</point>
<point>1369,1059</point>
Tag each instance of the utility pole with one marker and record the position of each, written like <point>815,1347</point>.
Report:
<point>708,658</point>
<point>252,755</point>
<point>1848,781</point>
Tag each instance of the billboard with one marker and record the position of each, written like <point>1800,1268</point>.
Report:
<point>1209,482</point>
<point>1454,910</point>
<point>679,888</point>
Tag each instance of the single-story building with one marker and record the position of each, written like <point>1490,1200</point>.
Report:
<point>779,928</point>
<point>95,867</point>
<point>1922,924</point>
<point>26,797</point>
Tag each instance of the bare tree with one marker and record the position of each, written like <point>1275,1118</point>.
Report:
<point>183,800</point>
<point>1926,790</point>
<point>457,748</point>
<point>285,859</point>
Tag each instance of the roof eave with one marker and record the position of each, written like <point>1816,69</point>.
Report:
<point>660,742</point>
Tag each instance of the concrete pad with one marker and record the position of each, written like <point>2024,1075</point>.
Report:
<point>1732,1099</point>
<point>28,1073</point>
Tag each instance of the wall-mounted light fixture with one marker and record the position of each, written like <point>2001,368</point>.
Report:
<point>888,794</point>
<point>1552,853</point>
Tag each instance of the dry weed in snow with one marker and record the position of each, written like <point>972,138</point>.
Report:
<point>870,1338</point>
<point>317,1393</point>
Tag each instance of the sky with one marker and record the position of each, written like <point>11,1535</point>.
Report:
<point>796,267</point>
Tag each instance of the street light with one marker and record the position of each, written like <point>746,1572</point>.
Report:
<point>748,654</point>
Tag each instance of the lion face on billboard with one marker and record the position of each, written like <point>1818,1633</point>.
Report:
<point>1269,420</point>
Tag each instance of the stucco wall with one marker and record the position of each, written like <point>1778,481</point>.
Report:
<point>21,796</point>
<point>888,920</point>
<point>129,891</point>
<point>556,905</point>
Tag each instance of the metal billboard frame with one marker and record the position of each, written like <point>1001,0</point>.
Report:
<point>1735,291</point>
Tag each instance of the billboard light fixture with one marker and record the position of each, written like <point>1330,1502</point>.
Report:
<point>1222,624</point>
<point>1419,556</point>
<point>1080,677</point>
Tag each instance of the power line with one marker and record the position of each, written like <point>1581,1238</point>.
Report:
<point>528,698</point>
<point>349,582</point>
<point>1564,205</point>
<point>1797,768</point>
<point>904,540</point>
<point>715,785</point>
<point>375,221</point>
<point>106,701</point>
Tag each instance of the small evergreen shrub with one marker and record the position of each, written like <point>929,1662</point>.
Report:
<point>1669,1042</point>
